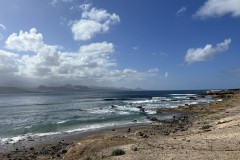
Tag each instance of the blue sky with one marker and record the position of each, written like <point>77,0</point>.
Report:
<point>149,44</point>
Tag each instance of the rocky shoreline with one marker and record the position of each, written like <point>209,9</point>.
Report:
<point>148,141</point>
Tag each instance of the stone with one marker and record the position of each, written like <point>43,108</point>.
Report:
<point>113,106</point>
<point>64,151</point>
<point>154,119</point>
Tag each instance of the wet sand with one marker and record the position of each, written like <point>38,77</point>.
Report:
<point>204,131</point>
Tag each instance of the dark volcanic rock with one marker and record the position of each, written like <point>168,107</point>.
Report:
<point>154,119</point>
<point>64,151</point>
<point>142,110</point>
<point>113,106</point>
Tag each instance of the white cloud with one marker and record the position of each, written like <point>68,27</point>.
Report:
<point>25,41</point>
<point>97,49</point>
<point>54,2</point>
<point>181,11</point>
<point>92,22</point>
<point>85,6</point>
<point>206,53</point>
<point>135,47</point>
<point>218,8</point>
<point>8,62</point>
<point>86,29</point>
<point>43,63</point>
<point>166,75</point>
<point>153,70</point>
<point>100,15</point>
<point>45,57</point>
<point>2,27</point>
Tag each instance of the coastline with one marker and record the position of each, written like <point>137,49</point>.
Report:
<point>180,138</point>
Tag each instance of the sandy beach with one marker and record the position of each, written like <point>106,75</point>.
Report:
<point>204,131</point>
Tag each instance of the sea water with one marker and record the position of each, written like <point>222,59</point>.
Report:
<point>43,114</point>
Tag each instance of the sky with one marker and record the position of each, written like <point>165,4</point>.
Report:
<point>162,45</point>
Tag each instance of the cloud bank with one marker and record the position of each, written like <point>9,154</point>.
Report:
<point>206,53</point>
<point>41,62</point>
<point>218,8</point>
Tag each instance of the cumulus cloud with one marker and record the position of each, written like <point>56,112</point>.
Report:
<point>92,22</point>
<point>25,41</point>
<point>44,56</point>
<point>8,62</point>
<point>206,53</point>
<point>181,11</point>
<point>40,62</point>
<point>218,8</point>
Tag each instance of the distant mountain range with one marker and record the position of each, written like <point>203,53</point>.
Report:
<point>65,88</point>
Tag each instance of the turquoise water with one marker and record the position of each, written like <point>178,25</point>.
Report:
<point>23,115</point>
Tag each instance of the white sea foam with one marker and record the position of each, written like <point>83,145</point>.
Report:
<point>100,111</point>
<point>16,139</point>
<point>142,101</point>
<point>153,100</point>
<point>183,94</point>
<point>45,134</point>
<point>180,97</point>
<point>13,139</point>
<point>61,122</point>
<point>90,127</point>
<point>124,108</point>
<point>150,111</point>
<point>123,113</point>
<point>194,103</point>
<point>161,98</point>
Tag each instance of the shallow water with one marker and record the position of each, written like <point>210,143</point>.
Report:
<point>35,115</point>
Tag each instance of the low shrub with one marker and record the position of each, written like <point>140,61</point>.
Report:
<point>87,158</point>
<point>206,126</point>
<point>118,152</point>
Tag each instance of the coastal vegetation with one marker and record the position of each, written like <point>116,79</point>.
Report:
<point>118,152</point>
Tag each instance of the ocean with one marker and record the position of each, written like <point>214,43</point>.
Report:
<point>44,114</point>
